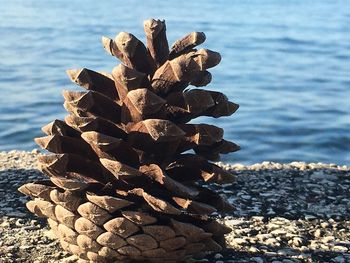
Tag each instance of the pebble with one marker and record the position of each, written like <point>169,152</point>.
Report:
<point>279,232</point>
<point>272,242</point>
<point>339,259</point>
<point>239,241</point>
<point>317,175</point>
<point>327,239</point>
<point>19,222</point>
<point>218,256</point>
<point>5,224</point>
<point>285,252</point>
<point>318,233</point>
<point>310,217</point>
<point>257,260</point>
<point>324,224</point>
<point>253,250</point>
<point>340,249</point>
<point>297,241</point>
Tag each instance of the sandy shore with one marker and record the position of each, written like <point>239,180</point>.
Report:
<point>285,213</point>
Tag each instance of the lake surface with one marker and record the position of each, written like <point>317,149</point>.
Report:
<point>286,62</point>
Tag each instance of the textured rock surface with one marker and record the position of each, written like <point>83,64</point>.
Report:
<point>285,213</point>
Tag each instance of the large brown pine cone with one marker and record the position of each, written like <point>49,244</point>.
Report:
<point>122,185</point>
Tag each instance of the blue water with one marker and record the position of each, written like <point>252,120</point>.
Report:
<point>286,62</point>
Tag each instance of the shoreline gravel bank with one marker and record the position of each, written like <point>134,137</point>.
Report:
<point>285,213</point>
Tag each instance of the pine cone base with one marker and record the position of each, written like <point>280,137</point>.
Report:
<point>103,229</point>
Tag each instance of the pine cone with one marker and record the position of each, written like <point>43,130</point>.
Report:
<point>121,184</point>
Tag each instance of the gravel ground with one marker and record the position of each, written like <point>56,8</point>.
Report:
<point>285,213</point>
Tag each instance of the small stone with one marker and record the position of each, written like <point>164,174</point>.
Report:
<point>5,224</point>
<point>285,252</point>
<point>318,233</point>
<point>246,197</point>
<point>340,249</point>
<point>239,242</point>
<point>218,256</point>
<point>253,250</point>
<point>24,247</point>
<point>331,221</point>
<point>327,239</point>
<point>314,245</point>
<point>19,222</point>
<point>309,217</point>
<point>272,242</point>
<point>319,175</point>
<point>33,222</point>
<point>235,222</point>
<point>30,227</point>
<point>339,259</point>
<point>278,232</point>
<point>257,260</point>
<point>324,224</point>
<point>263,236</point>
<point>270,254</point>
<point>297,241</point>
<point>303,256</point>
<point>257,218</point>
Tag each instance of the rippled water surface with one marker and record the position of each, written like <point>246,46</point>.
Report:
<point>286,62</point>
